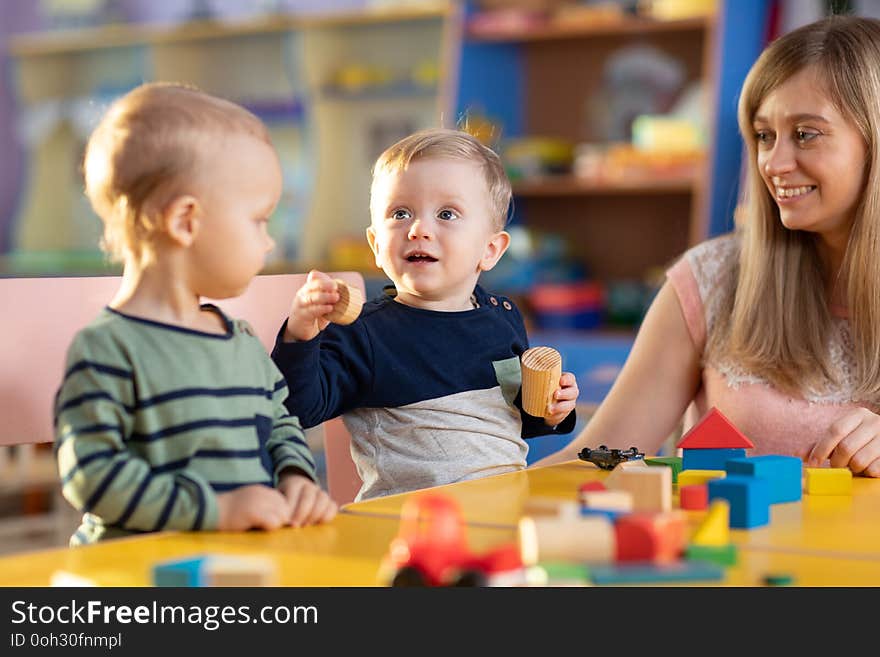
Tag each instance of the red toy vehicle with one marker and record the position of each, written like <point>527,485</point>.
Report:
<point>431,550</point>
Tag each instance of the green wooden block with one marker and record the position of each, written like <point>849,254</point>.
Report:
<point>724,555</point>
<point>565,571</point>
<point>673,462</point>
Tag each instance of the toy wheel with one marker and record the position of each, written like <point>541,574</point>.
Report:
<point>409,576</point>
<point>470,578</point>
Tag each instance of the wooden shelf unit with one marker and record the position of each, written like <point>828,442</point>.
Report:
<point>327,147</point>
<point>620,229</point>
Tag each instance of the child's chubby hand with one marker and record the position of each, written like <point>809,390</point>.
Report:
<point>252,507</point>
<point>310,304</point>
<point>852,441</point>
<point>566,398</point>
<point>307,503</point>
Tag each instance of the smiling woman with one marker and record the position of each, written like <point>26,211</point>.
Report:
<point>775,325</point>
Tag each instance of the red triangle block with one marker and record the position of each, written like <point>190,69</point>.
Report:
<point>714,431</point>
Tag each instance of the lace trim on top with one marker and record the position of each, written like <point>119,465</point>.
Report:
<point>712,263</point>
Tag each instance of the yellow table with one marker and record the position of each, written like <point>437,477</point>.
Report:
<point>819,541</point>
<point>831,526</point>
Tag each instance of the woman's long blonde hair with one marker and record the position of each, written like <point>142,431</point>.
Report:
<point>776,323</point>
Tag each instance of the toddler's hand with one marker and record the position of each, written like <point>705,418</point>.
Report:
<point>308,504</point>
<point>853,441</point>
<point>566,398</point>
<point>312,302</point>
<point>252,507</point>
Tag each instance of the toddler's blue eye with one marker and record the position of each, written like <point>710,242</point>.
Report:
<point>401,215</point>
<point>447,215</point>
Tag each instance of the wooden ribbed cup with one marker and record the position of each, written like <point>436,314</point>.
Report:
<point>348,308</point>
<point>541,369</point>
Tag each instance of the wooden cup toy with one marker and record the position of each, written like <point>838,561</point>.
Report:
<point>348,308</point>
<point>541,369</point>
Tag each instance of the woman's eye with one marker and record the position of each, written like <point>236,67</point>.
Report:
<point>805,135</point>
<point>447,215</point>
<point>763,137</point>
<point>401,215</point>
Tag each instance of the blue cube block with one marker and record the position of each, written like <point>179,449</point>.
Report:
<point>180,572</point>
<point>708,459</point>
<point>783,472</point>
<point>749,499</point>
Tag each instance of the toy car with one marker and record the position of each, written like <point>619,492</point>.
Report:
<point>607,459</point>
<point>430,549</point>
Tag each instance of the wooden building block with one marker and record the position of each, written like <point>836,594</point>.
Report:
<point>715,528</point>
<point>689,477</point>
<point>714,431</point>
<point>709,459</point>
<point>650,487</point>
<point>784,473</point>
<point>349,306</point>
<point>694,497</point>
<point>673,462</point>
<point>723,555</point>
<point>551,506</point>
<point>591,486</point>
<point>828,481</point>
<point>215,570</point>
<point>240,571</point>
<point>658,537</point>
<point>541,370</point>
<point>610,500</point>
<point>680,571</point>
<point>749,499</point>
<point>587,539</point>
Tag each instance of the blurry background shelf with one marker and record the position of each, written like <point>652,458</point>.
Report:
<point>625,26</point>
<point>574,186</point>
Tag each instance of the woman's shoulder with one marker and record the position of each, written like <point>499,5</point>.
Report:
<point>713,261</point>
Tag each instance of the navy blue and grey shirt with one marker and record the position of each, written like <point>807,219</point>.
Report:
<point>429,397</point>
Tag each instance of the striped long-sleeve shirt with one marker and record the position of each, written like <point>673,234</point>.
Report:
<point>152,420</point>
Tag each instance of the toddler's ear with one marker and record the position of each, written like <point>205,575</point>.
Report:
<point>181,220</point>
<point>495,248</point>
<point>374,245</point>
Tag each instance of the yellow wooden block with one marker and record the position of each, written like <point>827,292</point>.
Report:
<point>688,477</point>
<point>715,528</point>
<point>828,481</point>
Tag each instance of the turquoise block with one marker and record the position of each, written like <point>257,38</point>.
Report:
<point>647,573</point>
<point>749,499</point>
<point>783,472</point>
<point>708,459</point>
<point>181,572</point>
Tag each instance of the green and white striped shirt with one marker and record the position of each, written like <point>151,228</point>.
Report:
<point>152,420</point>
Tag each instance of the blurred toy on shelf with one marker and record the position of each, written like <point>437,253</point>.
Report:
<point>529,157</point>
<point>350,253</point>
<point>563,306</point>
<point>355,79</point>
<point>666,134</point>
<point>677,9</point>
<point>636,79</point>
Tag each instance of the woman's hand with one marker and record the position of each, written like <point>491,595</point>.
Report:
<point>853,441</point>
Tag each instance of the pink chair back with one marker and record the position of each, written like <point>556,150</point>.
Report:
<point>41,316</point>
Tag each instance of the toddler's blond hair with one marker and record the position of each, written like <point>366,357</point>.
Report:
<point>150,147</point>
<point>453,144</point>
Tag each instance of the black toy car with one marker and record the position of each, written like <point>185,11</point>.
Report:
<point>607,459</point>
